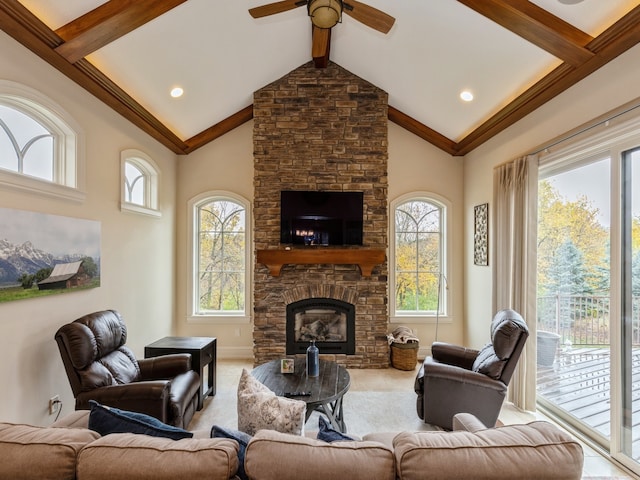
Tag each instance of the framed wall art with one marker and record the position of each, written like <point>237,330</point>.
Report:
<point>43,254</point>
<point>481,234</point>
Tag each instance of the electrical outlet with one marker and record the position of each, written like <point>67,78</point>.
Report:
<point>54,404</point>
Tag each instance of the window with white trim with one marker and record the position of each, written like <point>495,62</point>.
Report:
<point>418,280</point>
<point>220,257</point>
<point>139,183</point>
<point>40,144</point>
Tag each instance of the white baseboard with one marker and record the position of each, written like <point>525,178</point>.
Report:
<point>235,353</point>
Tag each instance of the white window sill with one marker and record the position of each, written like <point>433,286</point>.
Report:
<point>399,319</point>
<point>41,187</point>
<point>139,209</point>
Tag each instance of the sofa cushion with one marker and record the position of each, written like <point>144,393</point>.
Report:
<point>106,420</point>
<point>129,456</point>
<point>526,452</point>
<point>273,455</point>
<point>260,408</point>
<point>38,452</point>
<point>240,437</point>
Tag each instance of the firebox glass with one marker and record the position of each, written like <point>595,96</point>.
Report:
<point>321,325</point>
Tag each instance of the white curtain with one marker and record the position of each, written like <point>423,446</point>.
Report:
<point>515,186</point>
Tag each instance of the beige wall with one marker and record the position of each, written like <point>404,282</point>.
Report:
<point>137,252</point>
<point>227,164</point>
<point>224,164</point>
<point>418,166</point>
<point>613,85</point>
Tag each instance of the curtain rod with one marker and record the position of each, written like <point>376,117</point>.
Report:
<point>629,107</point>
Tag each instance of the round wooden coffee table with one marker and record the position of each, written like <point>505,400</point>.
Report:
<point>325,391</point>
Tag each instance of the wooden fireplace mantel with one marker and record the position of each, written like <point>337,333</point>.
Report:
<point>365,258</point>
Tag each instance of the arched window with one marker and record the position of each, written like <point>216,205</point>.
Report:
<point>418,282</point>
<point>40,144</point>
<point>27,146</point>
<point>139,183</point>
<point>220,257</point>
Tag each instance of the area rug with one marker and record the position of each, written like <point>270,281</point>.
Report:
<point>364,412</point>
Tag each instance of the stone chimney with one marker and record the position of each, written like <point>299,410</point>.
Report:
<point>321,129</point>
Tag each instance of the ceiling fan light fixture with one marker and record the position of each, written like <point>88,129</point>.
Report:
<point>325,13</point>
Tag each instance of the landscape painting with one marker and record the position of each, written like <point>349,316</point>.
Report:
<point>43,254</point>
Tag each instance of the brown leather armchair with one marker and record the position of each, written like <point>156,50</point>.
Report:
<point>457,379</point>
<point>100,367</point>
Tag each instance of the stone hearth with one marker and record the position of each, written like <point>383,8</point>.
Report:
<point>321,129</point>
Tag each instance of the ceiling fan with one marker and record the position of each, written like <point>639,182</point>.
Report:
<point>324,15</point>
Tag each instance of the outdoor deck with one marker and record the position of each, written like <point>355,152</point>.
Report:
<point>579,383</point>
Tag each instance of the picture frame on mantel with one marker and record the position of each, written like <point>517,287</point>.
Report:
<point>481,234</point>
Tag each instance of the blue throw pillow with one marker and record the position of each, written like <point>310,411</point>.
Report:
<point>106,420</point>
<point>328,434</point>
<point>240,437</point>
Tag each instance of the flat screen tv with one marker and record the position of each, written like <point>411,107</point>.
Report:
<point>321,217</point>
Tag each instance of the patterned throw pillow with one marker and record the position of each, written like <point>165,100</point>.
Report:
<point>260,408</point>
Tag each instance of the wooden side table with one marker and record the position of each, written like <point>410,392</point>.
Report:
<point>203,353</point>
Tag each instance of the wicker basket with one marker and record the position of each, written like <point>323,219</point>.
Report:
<point>404,356</point>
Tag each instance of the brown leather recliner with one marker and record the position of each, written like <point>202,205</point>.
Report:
<point>100,367</point>
<point>457,379</point>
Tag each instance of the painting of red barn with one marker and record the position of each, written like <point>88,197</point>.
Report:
<point>43,254</point>
<point>65,275</point>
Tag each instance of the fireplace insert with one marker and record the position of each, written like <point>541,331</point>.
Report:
<point>330,322</point>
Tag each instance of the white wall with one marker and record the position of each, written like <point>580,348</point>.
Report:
<point>613,85</point>
<point>137,252</point>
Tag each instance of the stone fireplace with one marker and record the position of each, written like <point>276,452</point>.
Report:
<point>321,129</point>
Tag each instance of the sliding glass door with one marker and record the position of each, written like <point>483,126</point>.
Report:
<point>573,338</point>
<point>630,306</point>
<point>588,339</point>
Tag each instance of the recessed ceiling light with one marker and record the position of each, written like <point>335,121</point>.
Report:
<point>570,2</point>
<point>176,92</point>
<point>466,95</point>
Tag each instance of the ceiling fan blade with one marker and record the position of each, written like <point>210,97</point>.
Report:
<point>276,7</point>
<point>371,17</point>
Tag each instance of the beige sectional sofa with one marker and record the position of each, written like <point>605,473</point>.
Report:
<point>68,450</point>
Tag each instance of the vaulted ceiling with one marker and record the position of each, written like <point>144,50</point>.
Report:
<point>513,55</point>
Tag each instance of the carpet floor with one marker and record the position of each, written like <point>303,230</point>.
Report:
<point>377,401</point>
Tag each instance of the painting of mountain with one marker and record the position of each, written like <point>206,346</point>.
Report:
<point>41,254</point>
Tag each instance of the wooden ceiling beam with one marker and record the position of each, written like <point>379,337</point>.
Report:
<point>421,130</point>
<point>320,46</point>
<point>219,129</point>
<point>26,28</point>
<point>537,26</point>
<point>106,23</point>
<point>23,26</point>
<point>617,39</point>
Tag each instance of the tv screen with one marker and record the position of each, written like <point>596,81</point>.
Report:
<point>321,218</point>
